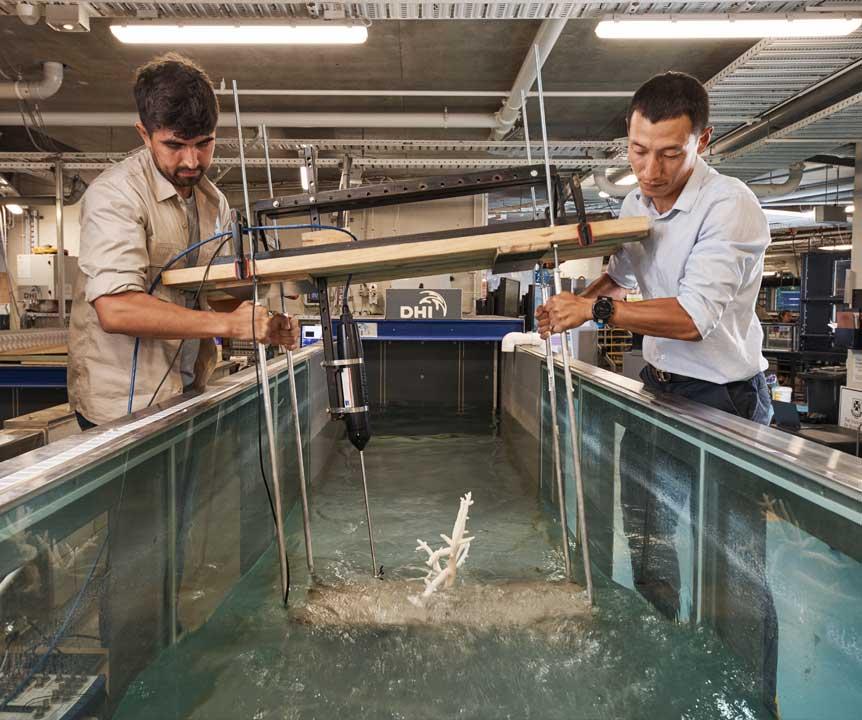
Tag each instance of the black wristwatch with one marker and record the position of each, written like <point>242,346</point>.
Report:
<point>603,311</point>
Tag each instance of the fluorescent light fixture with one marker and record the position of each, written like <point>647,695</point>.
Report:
<point>303,176</point>
<point>603,194</point>
<point>836,248</point>
<point>178,35</point>
<point>770,273</point>
<point>15,209</point>
<point>850,209</point>
<point>694,27</point>
<point>629,179</point>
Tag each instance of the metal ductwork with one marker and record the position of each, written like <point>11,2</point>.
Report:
<point>828,92</point>
<point>611,188</point>
<point>761,190</point>
<point>773,190</point>
<point>52,78</point>
<point>546,38</point>
<point>76,192</point>
<point>278,119</point>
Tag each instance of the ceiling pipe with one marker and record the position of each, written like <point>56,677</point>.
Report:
<point>833,89</point>
<point>278,119</point>
<point>600,177</point>
<point>429,93</point>
<point>761,190</point>
<point>52,78</point>
<point>773,190</point>
<point>805,194</point>
<point>546,37</point>
<point>76,192</point>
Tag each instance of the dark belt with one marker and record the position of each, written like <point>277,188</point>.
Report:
<point>662,376</point>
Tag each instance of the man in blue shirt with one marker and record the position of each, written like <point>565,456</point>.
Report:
<point>699,273</point>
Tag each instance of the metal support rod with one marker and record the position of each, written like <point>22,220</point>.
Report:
<point>61,260</point>
<point>544,134</point>
<point>261,360</point>
<point>573,439</point>
<point>294,402</point>
<point>570,398</point>
<point>555,428</point>
<point>375,569</point>
<point>529,151</point>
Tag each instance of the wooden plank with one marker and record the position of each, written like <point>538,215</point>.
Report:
<point>323,237</point>
<point>454,254</point>
<point>30,352</point>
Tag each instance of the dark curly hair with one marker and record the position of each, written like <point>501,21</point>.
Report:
<point>173,92</point>
<point>672,95</point>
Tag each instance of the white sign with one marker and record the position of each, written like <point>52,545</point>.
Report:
<point>850,415</point>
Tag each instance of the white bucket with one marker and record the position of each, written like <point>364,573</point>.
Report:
<point>782,393</point>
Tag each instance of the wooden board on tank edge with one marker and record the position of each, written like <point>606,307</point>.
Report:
<point>412,259</point>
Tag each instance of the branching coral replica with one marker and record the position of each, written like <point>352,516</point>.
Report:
<point>453,554</point>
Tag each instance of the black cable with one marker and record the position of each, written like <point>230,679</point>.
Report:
<point>345,293</point>
<point>194,302</point>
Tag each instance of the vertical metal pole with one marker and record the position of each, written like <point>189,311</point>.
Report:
<point>544,134</point>
<point>549,350</point>
<point>343,216</point>
<point>570,398</point>
<point>701,534</point>
<point>375,568</point>
<point>555,437</point>
<point>60,290</point>
<point>294,402</point>
<point>172,544</point>
<point>529,149</point>
<point>261,360</point>
<point>495,351</point>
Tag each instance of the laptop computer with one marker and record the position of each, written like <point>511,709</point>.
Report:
<point>786,415</point>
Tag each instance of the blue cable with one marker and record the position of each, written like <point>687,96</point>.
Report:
<point>192,248</point>
<point>153,286</point>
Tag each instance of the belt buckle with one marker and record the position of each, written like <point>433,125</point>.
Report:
<point>661,375</point>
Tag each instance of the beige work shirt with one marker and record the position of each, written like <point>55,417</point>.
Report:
<point>132,223</point>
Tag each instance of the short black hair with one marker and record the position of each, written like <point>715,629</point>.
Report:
<point>174,93</point>
<point>672,95</point>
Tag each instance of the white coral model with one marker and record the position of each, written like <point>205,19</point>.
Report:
<point>454,553</point>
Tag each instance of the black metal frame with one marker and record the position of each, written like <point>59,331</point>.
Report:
<point>397,193</point>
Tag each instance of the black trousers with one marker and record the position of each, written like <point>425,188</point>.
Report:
<point>657,487</point>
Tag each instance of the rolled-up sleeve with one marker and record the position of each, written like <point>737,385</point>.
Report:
<point>113,254</point>
<point>621,271</point>
<point>620,266</point>
<point>729,247</point>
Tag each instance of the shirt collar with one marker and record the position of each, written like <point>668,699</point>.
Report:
<point>685,201</point>
<point>688,196</point>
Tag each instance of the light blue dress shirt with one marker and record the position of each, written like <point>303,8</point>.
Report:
<point>707,252</point>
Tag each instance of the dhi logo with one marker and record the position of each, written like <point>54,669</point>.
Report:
<point>856,409</point>
<point>425,309</point>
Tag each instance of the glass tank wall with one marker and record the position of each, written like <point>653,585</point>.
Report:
<point>743,531</point>
<point>121,541</point>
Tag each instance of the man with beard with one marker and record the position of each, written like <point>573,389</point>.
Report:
<point>135,217</point>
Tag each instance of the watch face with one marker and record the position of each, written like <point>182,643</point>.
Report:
<point>603,309</point>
